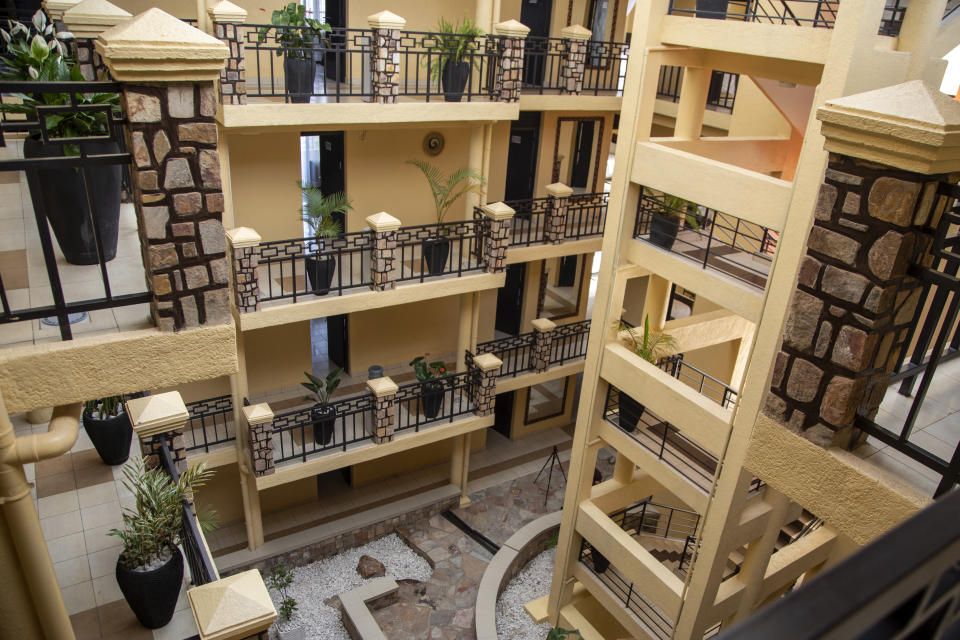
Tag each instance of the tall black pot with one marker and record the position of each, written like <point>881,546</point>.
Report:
<point>324,419</point>
<point>64,198</point>
<point>152,595</point>
<point>431,402</point>
<point>664,230</point>
<point>320,274</point>
<point>454,80</point>
<point>299,74</point>
<point>714,9</point>
<point>630,412</point>
<point>110,436</point>
<point>436,251</point>
<point>600,562</point>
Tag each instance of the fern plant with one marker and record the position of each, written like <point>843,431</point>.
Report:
<point>319,209</point>
<point>652,345</point>
<point>448,189</point>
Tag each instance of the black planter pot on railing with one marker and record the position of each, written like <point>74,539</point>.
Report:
<point>110,436</point>
<point>630,412</point>
<point>320,273</point>
<point>152,595</point>
<point>714,9</point>
<point>436,252</point>
<point>299,75</point>
<point>454,79</point>
<point>431,402</point>
<point>324,419</point>
<point>664,230</point>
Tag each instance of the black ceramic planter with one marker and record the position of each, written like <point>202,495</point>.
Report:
<point>64,198</point>
<point>431,402</point>
<point>110,436</point>
<point>152,595</point>
<point>714,9</point>
<point>600,562</point>
<point>630,412</point>
<point>320,274</point>
<point>454,80</point>
<point>436,252</point>
<point>324,419</point>
<point>299,74</point>
<point>663,231</point>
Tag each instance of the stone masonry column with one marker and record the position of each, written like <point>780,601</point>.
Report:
<point>384,228</point>
<point>384,57</point>
<point>168,70</point>
<point>497,239</point>
<point>509,75</point>
<point>227,18</point>
<point>542,344</point>
<point>384,421</point>
<point>243,244</point>
<point>157,418</point>
<point>573,66</point>
<point>86,20</point>
<point>485,392</point>
<point>875,216</point>
<point>555,226</point>
<point>259,419</point>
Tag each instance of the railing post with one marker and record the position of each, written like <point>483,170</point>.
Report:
<point>384,228</point>
<point>384,391</point>
<point>86,20</point>
<point>56,8</point>
<point>156,418</point>
<point>244,595</point>
<point>226,18</point>
<point>575,39</point>
<point>542,344</point>
<point>485,391</point>
<point>244,247</point>
<point>259,419</point>
<point>385,58</point>
<point>509,74</point>
<point>555,226</point>
<point>168,70</point>
<point>498,236</point>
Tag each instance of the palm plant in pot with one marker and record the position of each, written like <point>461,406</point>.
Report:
<point>150,567</point>
<point>109,428</point>
<point>433,375</point>
<point>319,214</point>
<point>651,346</point>
<point>323,415</point>
<point>36,53</point>
<point>454,47</point>
<point>445,191</point>
<point>298,35</point>
<point>666,219</point>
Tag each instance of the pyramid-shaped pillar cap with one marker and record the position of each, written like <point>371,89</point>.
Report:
<point>487,362</point>
<point>576,32</point>
<point>498,211</point>
<point>226,11</point>
<point>89,18</point>
<point>159,413</point>
<point>241,237</point>
<point>154,46</point>
<point>543,325</point>
<point>383,222</point>
<point>386,20</point>
<point>56,8</point>
<point>909,126</point>
<point>511,29</point>
<point>559,190</point>
<point>383,387</point>
<point>258,414</point>
<point>237,606</point>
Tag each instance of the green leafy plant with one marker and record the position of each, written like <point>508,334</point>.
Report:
<point>151,530</point>
<point>453,42</point>
<point>448,189</point>
<point>679,208</point>
<point>280,580</point>
<point>319,209</point>
<point>558,633</point>
<point>108,407</point>
<point>428,370</point>
<point>651,345</point>
<point>322,388</point>
<point>298,39</point>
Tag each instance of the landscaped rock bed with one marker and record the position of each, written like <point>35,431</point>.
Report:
<point>531,583</point>
<point>324,580</point>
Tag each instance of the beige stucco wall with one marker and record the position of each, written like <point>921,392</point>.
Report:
<point>549,137</point>
<point>277,356</point>
<point>754,115</point>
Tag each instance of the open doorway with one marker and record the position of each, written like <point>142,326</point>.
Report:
<point>576,155</point>
<point>535,14</point>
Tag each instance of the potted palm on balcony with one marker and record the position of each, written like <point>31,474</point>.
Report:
<point>454,45</point>
<point>298,36</point>
<point>667,216</point>
<point>319,215</point>
<point>433,375</point>
<point>651,346</point>
<point>109,428</point>
<point>445,190</point>
<point>323,415</point>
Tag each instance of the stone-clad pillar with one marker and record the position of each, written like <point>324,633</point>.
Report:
<point>384,411</point>
<point>576,40</point>
<point>555,226</point>
<point>542,344</point>
<point>56,8</point>
<point>384,57</point>
<point>157,418</point>
<point>259,419</point>
<point>243,244</point>
<point>384,228</point>
<point>875,216</point>
<point>86,20</point>
<point>497,239</point>
<point>227,18</point>
<point>168,70</point>
<point>484,392</point>
<point>509,75</point>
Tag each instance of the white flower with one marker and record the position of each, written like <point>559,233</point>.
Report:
<point>33,72</point>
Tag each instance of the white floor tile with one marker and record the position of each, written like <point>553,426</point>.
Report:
<point>61,525</point>
<point>101,515</point>
<point>72,571</point>
<point>79,597</point>
<point>105,590</point>
<point>57,504</point>
<point>98,540</point>
<point>97,494</point>
<point>181,626</point>
<point>67,547</point>
<point>104,562</point>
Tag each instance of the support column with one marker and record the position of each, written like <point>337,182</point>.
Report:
<point>555,227</point>
<point>86,20</point>
<point>384,57</point>
<point>158,418</point>
<point>464,329</point>
<point>252,515</point>
<point>693,102</point>
<point>168,70</point>
<point>575,39</point>
<point>384,227</point>
<point>460,465</point>
<point>497,240</point>
<point>384,392</point>
<point>624,469</point>
<point>485,391</point>
<point>509,74</point>
<point>542,344</point>
<point>259,419</point>
<point>226,18</point>
<point>475,159</point>
<point>243,244</point>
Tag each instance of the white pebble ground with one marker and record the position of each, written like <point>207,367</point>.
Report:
<point>531,583</point>
<point>318,581</point>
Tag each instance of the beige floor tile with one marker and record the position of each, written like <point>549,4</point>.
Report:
<point>181,626</point>
<point>98,540</point>
<point>79,597</point>
<point>61,525</point>
<point>105,590</point>
<point>101,515</point>
<point>97,494</point>
<point>67,547</point>
<point>57,504</point>
<point>907,474</point>
<point>72,571</point>
<point>947,429</point>
<point>933,444</point>
<point>104,562</point>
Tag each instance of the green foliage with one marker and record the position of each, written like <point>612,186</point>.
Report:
<point>681,209</point>
<point>280,580</point>
<point>319,210</point>
<point>448,189</point>
<point>298,41</point>
<point>108,407</point>
<point>652,345</point>
<point>428,370</point>
<point>454,42</point>
<point>553,541</point>
<point>558,633</point>
<point>152,528</point>
<point>322,389</point>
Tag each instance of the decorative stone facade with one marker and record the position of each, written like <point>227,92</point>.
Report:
<point>382,268</point>
<point>151,447</point>
<point>233,77</point>
<point>509,74</point>
<point>383,423</point>
<point>86,20</point>
<point>484,391</point>
<point>574,63</point>
<point>497,239</point>
<point>543,333</point>
<point>89,61</point>
<point>555,226</point>
<point>259,419</point>
<point>244,245</point>
<point>384,56</point>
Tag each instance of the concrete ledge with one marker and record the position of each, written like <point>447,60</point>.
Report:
<point>357,618</point>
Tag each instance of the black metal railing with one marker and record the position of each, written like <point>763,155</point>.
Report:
<point>528,225</point>
<point>84,163</point>
<point>704,383</point>
<point>515,353</point>
<point>431,250</point>
<point>341,64</point>
<point>662,439</point>
<point>717,240</point>
<point>658,520</point>
<point>720,96</point>
<point>302,433</point>
<point>669,83</point>
<point>569,342</point>
<point>544,58</point>
<point>585,216</point>
<point>210,423</point>
<point>419,404</point>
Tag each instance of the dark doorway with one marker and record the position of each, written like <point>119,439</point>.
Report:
<point>598,28</point>
<point>338,332</point>
<point>567,276</point>
<point>510,300</point>
<point>536,15</point>
<point>522,156</point>
<point>335,59</point>
<point>582,154</point>
<point>503,413</point>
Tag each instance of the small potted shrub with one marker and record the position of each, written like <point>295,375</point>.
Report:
<point>445,190</point>
<point>651,346</point>
<point>559,633</point>
<point>318,215</point>
<point>432,374</point>
<point>109,428</point>
<point>297,43</point>
<point>150,567</point>
<point>280,580</point>
<point>323,415</point>
<point>666,219</point>
<point>454,44</point>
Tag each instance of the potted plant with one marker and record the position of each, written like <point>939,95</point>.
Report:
<point>432,374</point>
<point>559,633</point>
<point>651,346</point>
<point>454,45</point>
<point>298,36</point>
<point>319,215</point>
<point>323,415</point>
<point>109,428</point>
<point>35,52</point>
<point>445,190</point>
<point>280,580</point>
<point>665,222</point>
<point>150,567</point>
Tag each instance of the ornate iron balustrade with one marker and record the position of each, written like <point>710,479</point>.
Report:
<point>528,225</point>
<point>518,353</point>
<point>210,423</point>
<point>421,250</point>
<point>586,215</point>
<point>569,342</point>
<point>544,58</point>
<point>426,403</point>
<point>704,383</point>
<point>515,352</point>
<point>298,435</point>
<point>647,518</point>
<point>719,241</point>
